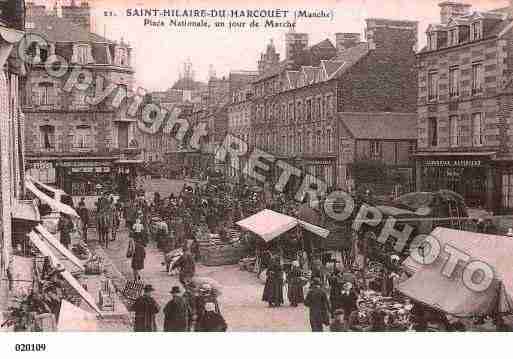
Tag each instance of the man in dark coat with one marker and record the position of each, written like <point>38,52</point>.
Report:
<point>83,212</point>
<point>273,290</point>
<point>186,265</point>
<point>145,308</point>
<point>211,321</point>
<point>138,258</point>
<point>317,301</point>
<point>177,313</point>
<point>65,227</point>
<point>348,299</point>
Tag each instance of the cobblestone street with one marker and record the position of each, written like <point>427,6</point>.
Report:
<point>241,300</point>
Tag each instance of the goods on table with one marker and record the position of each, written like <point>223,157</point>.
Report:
<point>248,264</point>
<point>81,251</point>
<point>106,296</point>
<point>394,308</point>
<point>216,252</point>
<point>95,265</point>
<point>171,258</point>
<point>133,289</point>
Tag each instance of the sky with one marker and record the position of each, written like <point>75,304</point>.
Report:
<point>159,52</point>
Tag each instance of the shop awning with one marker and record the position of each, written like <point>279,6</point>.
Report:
<point>46,251</point>
<point>26,211</point>
<point>50,239</point>
<point>451,294</point>
<point>454,154</point>
<point>54,204</point>
<point>269,224</point>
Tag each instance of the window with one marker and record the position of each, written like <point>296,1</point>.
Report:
<point>308,110</point>
<point>318,108</point>
<point>453,37</point>
<point>82,54</point>
<point>47,133</point>
<point>83,136</point>
<point>432,40</point>
<point>475,31</point>
<point>46,93</point>
<point>507,190</point>
<point>375,149</point>
<point>454,131</point>
<point>454,84</point>
<point>299,112</point>
<point>433,132</point>
<point>328,136</point>
<point>477,129</point>
<point>477,78</point>
<point>432,86</point>
<point>299,144</point>
<point>329,105</point>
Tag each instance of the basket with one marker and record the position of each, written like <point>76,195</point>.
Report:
<point>133,290</point>
<point>94,266</point>
<point>106,296</point>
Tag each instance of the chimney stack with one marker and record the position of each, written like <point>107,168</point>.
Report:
<point>12,12</point>
<point>345,40</point>
<point>449,9</point>
<point>79,15</point>
<point>391,36</point>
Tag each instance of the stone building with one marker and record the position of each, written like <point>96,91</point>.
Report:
<point>300,103</point>
<point>12,23</point>
<point>465,103</point>
<point>70,142</point>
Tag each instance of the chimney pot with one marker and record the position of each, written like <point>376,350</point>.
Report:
<point>449,9</point>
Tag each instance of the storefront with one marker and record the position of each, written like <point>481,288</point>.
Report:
<point>470,175</point>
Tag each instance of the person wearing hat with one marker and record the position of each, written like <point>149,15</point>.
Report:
<point>348,299</point>
<point>186,265</point>
<point>295,283</point>
<point>273,290</point>
<point>211,321</point>
<point>319,305</point>
<point>177,314</point>
<point>145,308</point>
<point>83,212</point>
<point>339,324</point>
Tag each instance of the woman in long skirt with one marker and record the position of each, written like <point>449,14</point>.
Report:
<point>295,292</point>
<point>273,290</point>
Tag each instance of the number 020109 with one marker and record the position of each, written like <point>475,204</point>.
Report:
<point>30,347</point>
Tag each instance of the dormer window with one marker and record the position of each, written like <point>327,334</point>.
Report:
<point>432,41</point>
<point>453,37</point>
<point>476,31</point>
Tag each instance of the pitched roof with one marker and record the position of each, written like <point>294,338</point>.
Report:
<point>57,29</point>
<point>311,56</point>
<point>381,125</point>
<point>350,57</point>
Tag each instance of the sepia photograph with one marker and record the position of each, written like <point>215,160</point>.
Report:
<point>255,166</point>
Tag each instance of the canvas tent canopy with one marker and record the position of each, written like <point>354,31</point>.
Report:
<point>54,204</point>
<point>432,285</point>
<point>44,248</point>
<point>269,224</point>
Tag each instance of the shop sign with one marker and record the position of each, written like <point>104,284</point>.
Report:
<point>83,164</point>
<point>453,163</point>
<point>41,165</point>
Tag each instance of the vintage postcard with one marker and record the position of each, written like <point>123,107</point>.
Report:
<point>255,166</point>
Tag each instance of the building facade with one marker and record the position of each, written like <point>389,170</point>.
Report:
<point>464,107</point>
<point>12,23</point>
<point>71,142</point>
<point>299,104</point>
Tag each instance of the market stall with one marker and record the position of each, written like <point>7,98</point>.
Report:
<point>452,293</point>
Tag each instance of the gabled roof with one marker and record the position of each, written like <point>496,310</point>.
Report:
<point>380,125</point>
<point>57,29</point>
<point>350,57</point>
<point>309,73</point>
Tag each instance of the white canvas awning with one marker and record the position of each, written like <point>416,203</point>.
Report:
<point>54,204</point>
<point>46,251</point>
<point>269,224</point>
<point>53,242</point>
